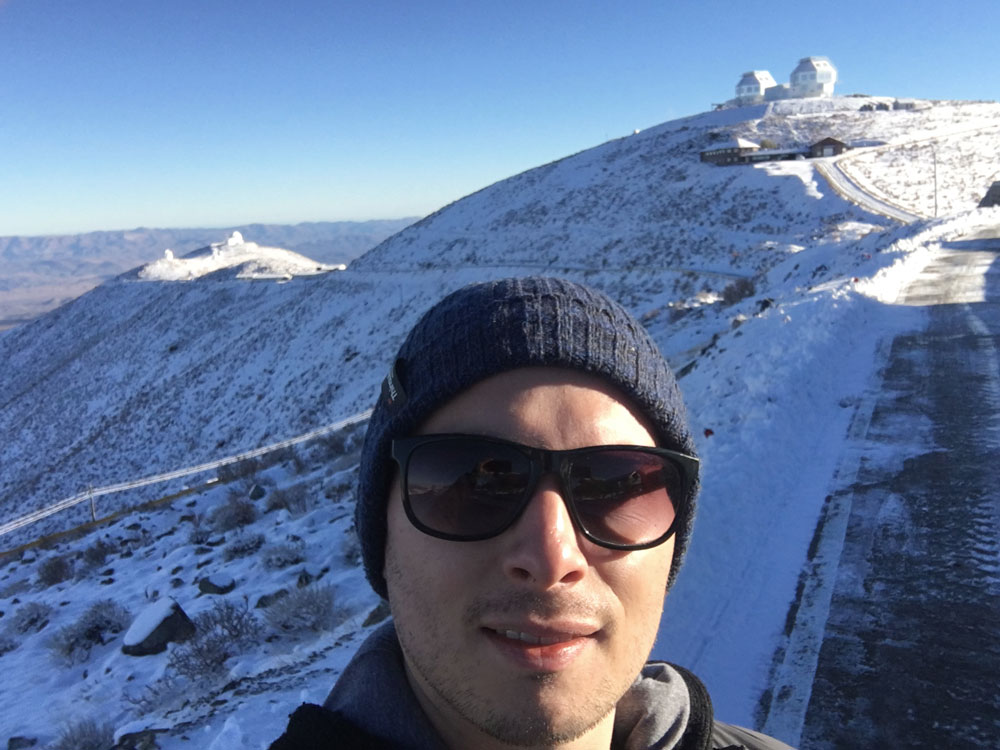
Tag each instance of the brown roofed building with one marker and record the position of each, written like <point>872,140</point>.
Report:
<point>827,147</point>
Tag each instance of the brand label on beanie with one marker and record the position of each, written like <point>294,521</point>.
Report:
<point>392,389</point>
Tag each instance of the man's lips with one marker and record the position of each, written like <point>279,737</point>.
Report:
<point>545,648</point>
<point>542,636</point>
<point>535,640</point>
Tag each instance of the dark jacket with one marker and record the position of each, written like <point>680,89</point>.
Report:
<point>372,707</point>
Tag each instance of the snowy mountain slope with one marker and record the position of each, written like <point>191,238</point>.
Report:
<point>644,201</point>
<point>140,377</point>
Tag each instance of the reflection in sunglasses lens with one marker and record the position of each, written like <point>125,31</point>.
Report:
<point>624,497</point>
<point>459,488</point>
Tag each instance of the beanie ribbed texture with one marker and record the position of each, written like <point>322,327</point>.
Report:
<point>485,329</point>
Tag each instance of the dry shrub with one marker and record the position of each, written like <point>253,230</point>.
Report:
<point>97,554</point>
<point>234,514</point>
<point>54,570</point>
<point>224,631</point>
<point>243,546</point>
<point>85,735</point>
<point>72,643</point>
<point>31,616</point>
<point>309,609</point>
<point>279,556</point>
<point>738,290</point>
<point>293,499</point>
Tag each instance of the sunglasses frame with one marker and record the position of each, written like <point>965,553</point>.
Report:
<point>543,461</point>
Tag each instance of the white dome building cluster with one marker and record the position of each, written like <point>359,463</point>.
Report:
<point>813,76</point>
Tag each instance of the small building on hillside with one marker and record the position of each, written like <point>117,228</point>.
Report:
<point>773,154</point>
<point>992,197</point>
<point>752,86</point>
<point>813,76</point>
<point>827,147</point>
<point>730,152</point>
<point>742,151</point>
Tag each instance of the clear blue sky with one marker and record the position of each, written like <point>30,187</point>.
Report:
<point>123,113</point>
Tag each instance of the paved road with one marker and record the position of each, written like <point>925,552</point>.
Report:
<point>897,638</point>
<point>840,182</point>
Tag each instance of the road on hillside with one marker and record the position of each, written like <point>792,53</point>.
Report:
<point>910,652</point>
<point>840,182</point>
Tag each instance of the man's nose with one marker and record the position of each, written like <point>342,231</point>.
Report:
<point>543,546</point>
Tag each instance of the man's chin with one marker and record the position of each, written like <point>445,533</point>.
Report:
<point>542,711</point>
<point>539,727</point>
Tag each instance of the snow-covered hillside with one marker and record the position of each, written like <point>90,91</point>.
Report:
<point>767,291</point>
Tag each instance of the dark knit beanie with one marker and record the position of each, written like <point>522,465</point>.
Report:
<point>489,328</point>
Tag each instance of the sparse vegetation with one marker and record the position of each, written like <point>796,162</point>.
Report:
<point>201,531</point>
<point>309,609</point>
<point>72,644</point>
<point>279,556</point>
<point>97,554</point>
<point>243,546</point>
<point>7,643</point>
<point>738,290</point>
<point>224,631</point>
<point>86,735</point>
<point>31,616</point>
<point>154,696</point>
<point>333,444</point>
<point>343,488</point>
<point>54,570</point>
<point>293,499</point>
<point>234,514</point>
<point>238,469</point>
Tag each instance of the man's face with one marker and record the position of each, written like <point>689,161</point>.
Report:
<point>533,636</point>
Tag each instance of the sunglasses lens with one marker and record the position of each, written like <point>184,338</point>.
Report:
<point>465,488</point>
<point>624,496</point>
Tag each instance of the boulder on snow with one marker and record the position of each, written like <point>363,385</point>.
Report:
<point>257,492</point>
<point>144,740</point>
<point>21,743</point>
<point>160,623</point>
<point>217,583</point>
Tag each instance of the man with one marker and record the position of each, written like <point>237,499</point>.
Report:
<point>526,495</point>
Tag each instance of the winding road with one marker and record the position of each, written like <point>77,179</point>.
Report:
<point>842,184</point>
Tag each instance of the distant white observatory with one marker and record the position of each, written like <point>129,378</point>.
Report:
<point>753,84</point>
<point>813,76</point>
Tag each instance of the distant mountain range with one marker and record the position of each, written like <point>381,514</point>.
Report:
<point>40,273</point>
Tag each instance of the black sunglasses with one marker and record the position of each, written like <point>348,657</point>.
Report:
<point>470,487</point>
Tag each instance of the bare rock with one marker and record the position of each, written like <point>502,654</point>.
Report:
<point>160,623</point>
<point>218,583</point>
